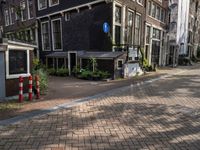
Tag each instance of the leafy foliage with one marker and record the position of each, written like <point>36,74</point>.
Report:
<point>40,70</point>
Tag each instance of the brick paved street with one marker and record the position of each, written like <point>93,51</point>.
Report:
<point>162,115</point>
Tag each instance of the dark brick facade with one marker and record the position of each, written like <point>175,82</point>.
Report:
<point>84,30</point>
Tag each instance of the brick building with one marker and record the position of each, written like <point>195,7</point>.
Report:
<point>156,21</point>
<point>74,26</point>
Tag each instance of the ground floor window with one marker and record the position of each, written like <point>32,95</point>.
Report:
<point>119,63</point>
<point>17,62</point>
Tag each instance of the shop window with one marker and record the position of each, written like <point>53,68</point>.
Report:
<point>17,62</point>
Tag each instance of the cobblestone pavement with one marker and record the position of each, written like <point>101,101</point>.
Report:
<point>162,115</point>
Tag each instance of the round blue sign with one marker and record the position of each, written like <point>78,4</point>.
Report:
<point>106,27</point>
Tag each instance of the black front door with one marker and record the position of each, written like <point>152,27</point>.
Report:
<point>155,54</point>
<point>72,61</point>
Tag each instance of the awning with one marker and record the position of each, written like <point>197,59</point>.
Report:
<point>58,55</point>
<point>101,55</point>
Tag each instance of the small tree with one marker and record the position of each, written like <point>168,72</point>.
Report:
<point>93,62</point>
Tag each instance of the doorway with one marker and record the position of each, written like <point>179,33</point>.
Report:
<point>155,55</point>
<point>72,61</point>
<point>2,75</point>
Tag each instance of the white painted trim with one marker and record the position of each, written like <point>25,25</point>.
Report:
<point>72,8</point>
<point>14,76</point>
<point>39,5</point>
<point>50,5</point>
<point>48,35</point>
<point>52,34</point>
<point>29,18</point>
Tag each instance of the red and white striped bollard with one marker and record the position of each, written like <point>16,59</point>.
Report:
<point>30,88</point>
<point>37,87</point>
<point>21,89</point>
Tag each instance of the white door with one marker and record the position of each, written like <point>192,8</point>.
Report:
<point>2,75</point>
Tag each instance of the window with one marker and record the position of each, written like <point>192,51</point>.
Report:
<point>56,34</point>
<point>17,62</point>
<point>6,13</point>
<point>118,18</point>
<point>158,12</point>
<point>45,36</point>
<point>42,4</point>
<point>118,14</point>
<point>12,15</point>
<point>149,8</point>
<point>156,34</point>
<point>30,9</point>
<point>140,2</point>
<point>153,10</point>
<point>67,16</point>
<point>148,34</point>
<point>23,10</point>
<point>119,63</point>
<point>162,18</point>
<point>53,2</point>
<point>137,29</point>
<point>130,28</point>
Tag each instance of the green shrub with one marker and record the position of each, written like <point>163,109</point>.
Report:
<point>76,70</point>
<point>43,79</point>
<point>62,72</point>
<point>97,75</point>
<point>104,74</point>
<point>85,74</point>
<point>51,71</point>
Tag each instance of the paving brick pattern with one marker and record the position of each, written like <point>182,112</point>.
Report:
<point>162,115</point>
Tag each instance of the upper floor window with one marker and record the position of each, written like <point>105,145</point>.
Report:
<point>45,36</point>
<point>7,20</point>
<point>23,10</point>
<point>137,29</point>
<point>30,9</point>
<point>56,34</point>
<point>42,4</point>
<point>140,2</point>
<point>53,2</point>
<point>130,27</point>
<point>118,24</point>
<point>149,8</point>
<point>12,15</point>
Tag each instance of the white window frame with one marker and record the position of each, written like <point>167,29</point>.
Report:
<point>38,1</point>
<point>13,76</point>
<point>140,27</point>
<point>42,35</point>
<point>21,10</point>
<point>7,17</point>
<point>29,9</point>
<point>51,5</point>
<point>117,24</point>
<point>138,1</point>
<point>52,34</point>
<point>118,63</point>
<point>11,19</point>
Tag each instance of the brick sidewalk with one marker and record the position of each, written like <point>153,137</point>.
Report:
<point>162,115</point>
<point>62,90</point>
